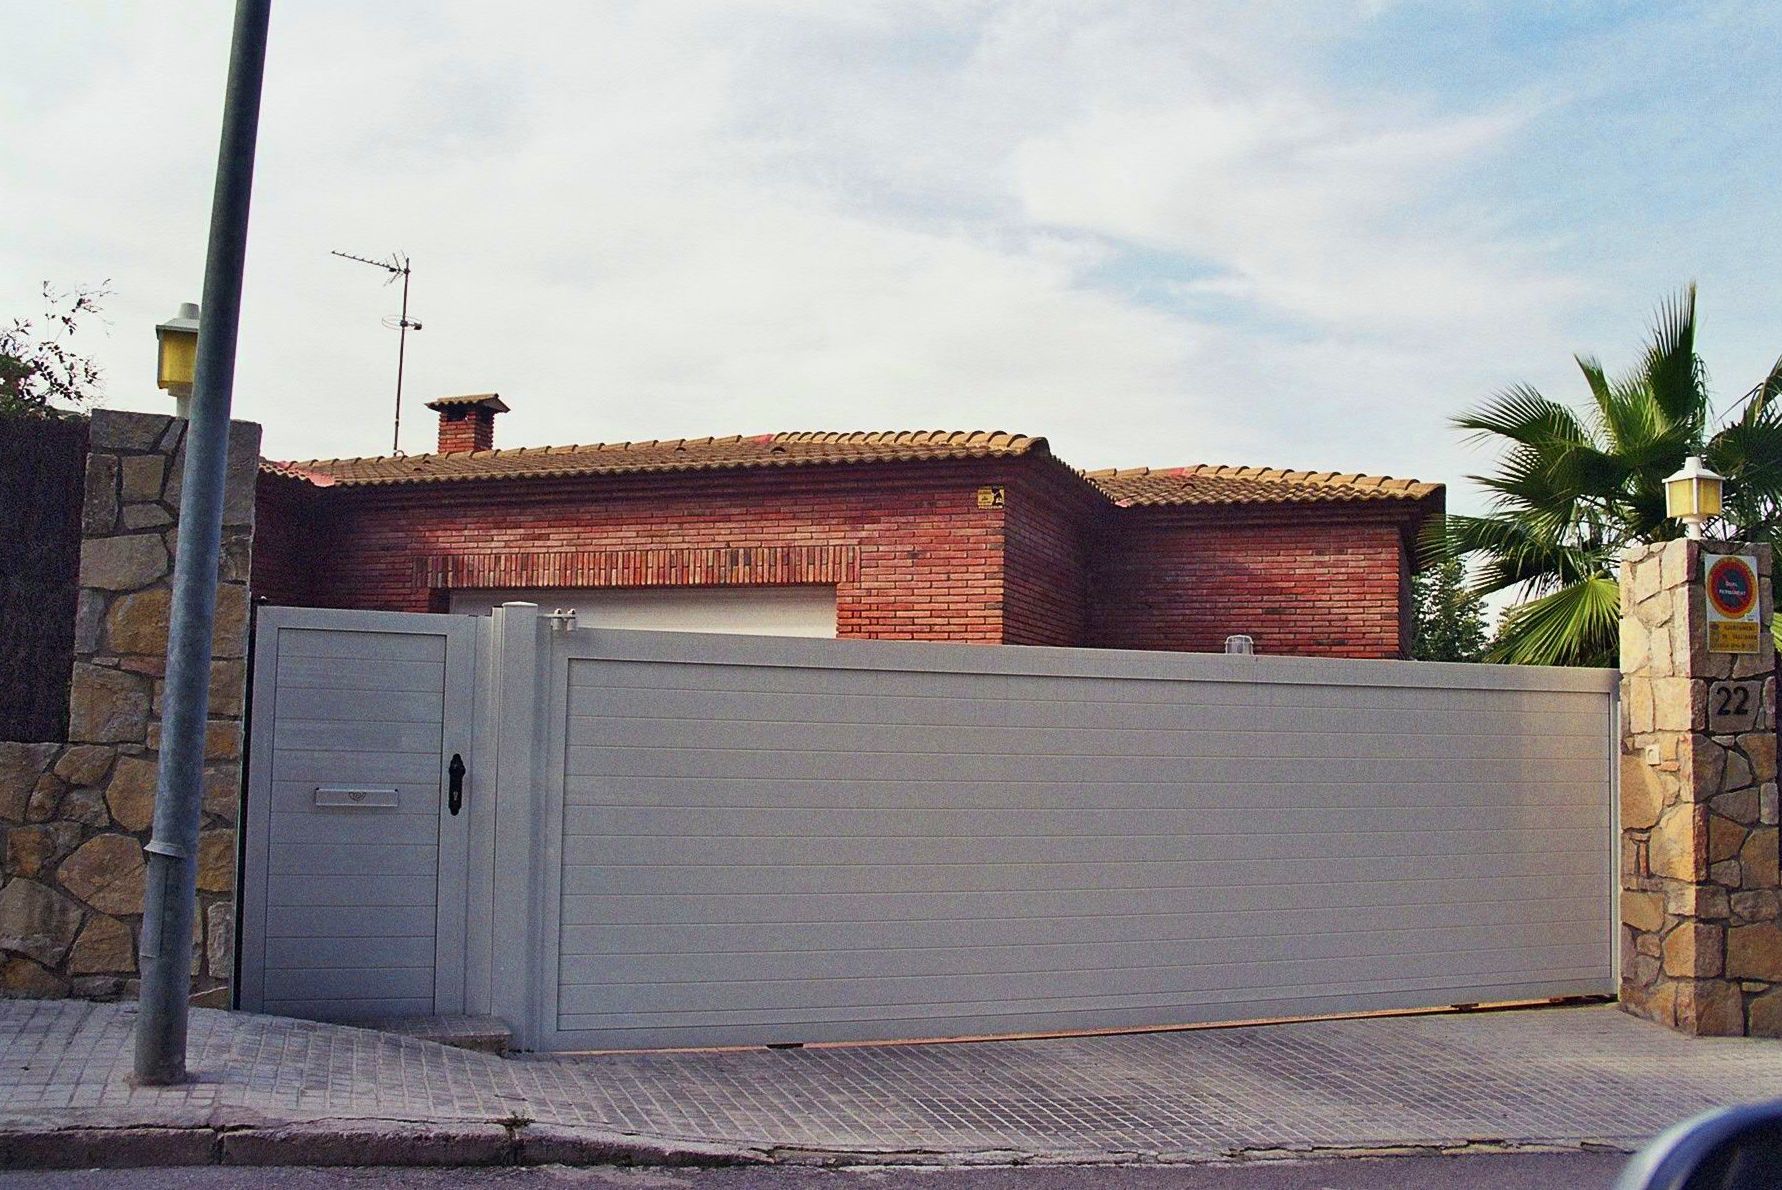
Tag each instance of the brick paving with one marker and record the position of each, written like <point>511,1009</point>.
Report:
<point>1561,1076</point>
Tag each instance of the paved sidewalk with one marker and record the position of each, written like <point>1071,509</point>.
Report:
<point>271,1090</point>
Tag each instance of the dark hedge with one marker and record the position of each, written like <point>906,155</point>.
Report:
<point>42,474</point>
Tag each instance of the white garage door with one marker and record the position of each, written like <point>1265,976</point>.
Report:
<point>753,611</point>
<point>796,841</point>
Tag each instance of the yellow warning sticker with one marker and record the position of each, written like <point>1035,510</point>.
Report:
<point>1732,636</point>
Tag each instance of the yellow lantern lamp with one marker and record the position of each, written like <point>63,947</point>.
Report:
<point>1692,496</point>
<point>176,357</point>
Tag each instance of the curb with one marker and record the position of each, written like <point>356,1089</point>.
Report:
<point>353,1142</point>
<point>523,1143</point>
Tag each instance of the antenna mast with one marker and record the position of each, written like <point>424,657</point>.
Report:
<point>396,266</point>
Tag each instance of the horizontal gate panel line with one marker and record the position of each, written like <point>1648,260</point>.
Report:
<point>854,963</point>
<point>1590,977</point>
<point>1582,730</point>
<point>878,663</point>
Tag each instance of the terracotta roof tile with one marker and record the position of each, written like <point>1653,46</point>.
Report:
<point>1126,487</point>
<point>1211,484</point>
<point>680,454</point>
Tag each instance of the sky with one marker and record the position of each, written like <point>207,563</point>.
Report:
<point>1298,234</point>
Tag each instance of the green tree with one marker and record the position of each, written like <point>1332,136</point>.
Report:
<point>1572,490</point>
<point>1450,616</point>
<point>39,371</point>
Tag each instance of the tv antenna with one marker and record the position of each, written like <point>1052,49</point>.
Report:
<point>396,266</point>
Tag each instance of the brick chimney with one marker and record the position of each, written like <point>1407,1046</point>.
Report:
<point>467,423</point>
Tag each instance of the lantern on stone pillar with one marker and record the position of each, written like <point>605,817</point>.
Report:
<point>1692,496</point>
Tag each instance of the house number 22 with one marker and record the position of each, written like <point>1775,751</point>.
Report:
<point>1734,706</point>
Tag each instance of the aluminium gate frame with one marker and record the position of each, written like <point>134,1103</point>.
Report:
<point>511,890</point>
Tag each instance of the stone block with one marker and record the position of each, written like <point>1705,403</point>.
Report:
<point>22,977</point>
<point>241,476</point>
<point>1764,1014</point>
<point>1725,837</point>
<point>1740,806</point>
<point>1754,952</point>
<point>1673,561</point>
<point>1711,1008</point>
<point>1759,858</point>
<point>228,689</point>
<point>131,794</point>
<point>106,873</point>
<point>138,623</point>
<point>1674,703</point>
<point>1696,900</point>
<point>1692,950</point>
<point>31,851</point>
<point>1769,812</point>
<point>99,499</point>
<point>1636,697</point>
<point>1727,873</point>
<point>107,706</point>
<point>1644,791</point>
<point>1760,747</point>
<point>113,429</point>
<point>125,563</point>
<point>222,792</point>
<point>98,987</point>
<point>1642,582</point>
<point>216,861</point>
<point>1679,845</point>
<point>235,563</point>
<point>86,806</point>
<point>142,476</point>
<point>222,739</point>
<point>1756,906</point>
<point>37,921</point>
<point>219,943</point>
<point>229,631</point>
<point>85,764</point>
<point>144,516</point>
<point>105,947</point>
<point>1736,774</point>
<point>1636,645</point>
<point>1642,910</point>
<point>46,798</point>
<point>21,766</point>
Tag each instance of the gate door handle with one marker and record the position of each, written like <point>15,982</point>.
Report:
<point>455,789</point>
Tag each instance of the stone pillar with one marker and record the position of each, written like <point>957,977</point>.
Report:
<point>75,815</point>
<point>1701,949</point>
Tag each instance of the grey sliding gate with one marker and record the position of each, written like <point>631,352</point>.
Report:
<point>683,839</point>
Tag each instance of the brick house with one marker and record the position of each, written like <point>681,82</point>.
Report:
<point>978,537</point>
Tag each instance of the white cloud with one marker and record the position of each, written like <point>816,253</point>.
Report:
<point>1154,232</point>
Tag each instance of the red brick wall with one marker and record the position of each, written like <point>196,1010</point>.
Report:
<point>1048,527</point>
<point>927,561</point>
<point>1304,582</point>
<point>910,553</point>
<point>288,525</point>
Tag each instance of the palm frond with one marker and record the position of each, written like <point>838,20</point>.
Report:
<point>1578,624</point>
<point>1523,415</point>
<point>1671,367</point>
<point>1522,551</point>
<point>1761,400</point>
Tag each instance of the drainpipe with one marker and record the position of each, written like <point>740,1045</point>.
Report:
<point>171,891</point>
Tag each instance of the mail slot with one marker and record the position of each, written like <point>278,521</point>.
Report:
<point>355,797</point>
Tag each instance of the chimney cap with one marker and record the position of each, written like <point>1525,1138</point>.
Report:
<point>490,401</point>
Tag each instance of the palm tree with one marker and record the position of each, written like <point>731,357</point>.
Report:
<point>1572,490</point>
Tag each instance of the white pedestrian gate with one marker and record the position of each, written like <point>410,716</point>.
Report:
<point>681,839</point>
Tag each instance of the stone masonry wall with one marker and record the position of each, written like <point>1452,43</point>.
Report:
<point>1701,945</point>
<point>75,815</point>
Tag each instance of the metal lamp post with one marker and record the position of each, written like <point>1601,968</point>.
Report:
<point>171,881</point>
